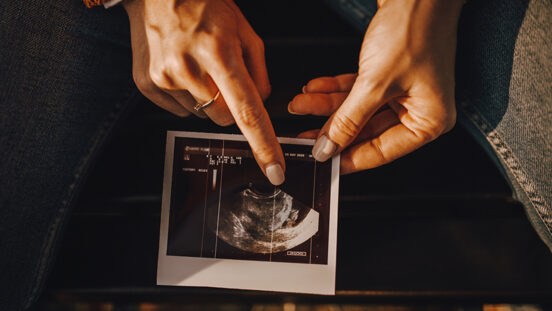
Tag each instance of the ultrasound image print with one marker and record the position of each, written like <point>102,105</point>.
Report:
<point>222,205</point>
<point>271,222</point>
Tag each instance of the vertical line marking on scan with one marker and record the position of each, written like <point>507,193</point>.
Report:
<point>214,182</point>
<point>272,227</point>
<point>313,197</point>
<point>220,194</point>
<point>205,202</point>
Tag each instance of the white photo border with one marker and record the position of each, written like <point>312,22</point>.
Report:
<point>245,274</point>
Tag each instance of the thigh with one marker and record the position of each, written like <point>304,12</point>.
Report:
<point>65,81</point>
<point>504,95</point>
<point>504,91</point>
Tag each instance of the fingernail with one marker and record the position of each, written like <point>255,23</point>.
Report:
<point>304,89</point>
<point>275,174</point>
<point>323,149</point>
<point>290,110</point>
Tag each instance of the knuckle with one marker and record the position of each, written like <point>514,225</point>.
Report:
<point>157,76</point>
<point>444,123</point>
<point>426,135</point>
<point>431,131</point>
<point>161,78</point>
<point>258,43</point>
<point>379,156</point>
<point>249,116</point>
<point>343,128</point>
<point>265,91</point>
<point>213,46</point>
<point>173,63</point>
<point>446,118</point>
<point>362,161</point>
<point>377,88</point>
<point>431,127</point>
<point>208,44</point>
<point>143,83</point>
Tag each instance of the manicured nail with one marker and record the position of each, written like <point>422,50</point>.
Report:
<point>304,89</point>
<point>275,174</point>
<point>323,149</point>
<point>290,110</point>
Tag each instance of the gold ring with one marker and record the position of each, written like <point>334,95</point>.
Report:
<point>200,106</point>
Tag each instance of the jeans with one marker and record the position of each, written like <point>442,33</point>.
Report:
<point>503,91</point>
<point>65,83</point>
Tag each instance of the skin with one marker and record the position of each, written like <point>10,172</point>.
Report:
<point>401,98</point>
<point>403,94</point>
<point>184,51</point>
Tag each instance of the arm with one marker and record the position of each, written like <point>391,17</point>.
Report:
<point>187,52</point>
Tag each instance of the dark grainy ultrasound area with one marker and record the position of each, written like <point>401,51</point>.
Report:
<point>222,206</point>
<point>266,223</point>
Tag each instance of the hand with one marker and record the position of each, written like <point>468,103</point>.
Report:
<point>403,94</point>
<point>184,51</point>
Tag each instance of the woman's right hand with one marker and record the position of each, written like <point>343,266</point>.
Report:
<point>185,51</point>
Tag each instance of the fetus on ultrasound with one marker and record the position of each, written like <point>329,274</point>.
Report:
<point>264,220</point>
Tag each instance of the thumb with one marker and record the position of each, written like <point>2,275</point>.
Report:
<point>346,123</point>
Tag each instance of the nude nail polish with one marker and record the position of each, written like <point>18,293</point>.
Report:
<point>275,174</point>
<point>292,111</point>
<point>323,149</point>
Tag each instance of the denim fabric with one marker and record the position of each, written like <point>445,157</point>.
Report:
<point>514,113</point>
<point>503,92</point>
<point>65,81</point>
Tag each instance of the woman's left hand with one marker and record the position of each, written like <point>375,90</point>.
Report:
<point>403,94</point>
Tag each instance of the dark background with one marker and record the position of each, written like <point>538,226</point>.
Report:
<point>439,225</point>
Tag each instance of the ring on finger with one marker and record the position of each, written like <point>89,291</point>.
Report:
<point>200,106</point>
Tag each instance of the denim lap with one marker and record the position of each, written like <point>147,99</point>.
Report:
<point>503,91</point>
<point>66,79</point>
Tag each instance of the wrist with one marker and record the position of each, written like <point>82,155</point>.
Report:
<point>441,12</point>
<point>426,11</point>
<point>431,20</point>
<point>130,6</point>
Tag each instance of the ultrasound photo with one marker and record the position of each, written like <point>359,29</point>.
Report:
<point>221,206</point>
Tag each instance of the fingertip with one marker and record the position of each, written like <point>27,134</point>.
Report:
<point>340,83</point>
<point>321,85</point>
<point>275,174</point>
<point>323,149</point>
<point>292,109</point>
<point>299,105</point>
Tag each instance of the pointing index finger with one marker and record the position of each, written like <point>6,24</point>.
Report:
<point>243,99</point>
